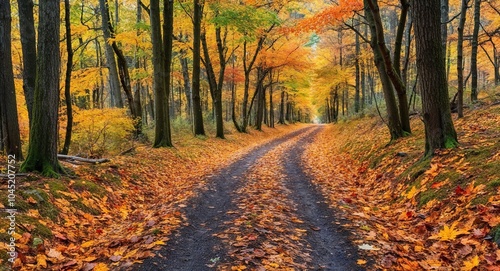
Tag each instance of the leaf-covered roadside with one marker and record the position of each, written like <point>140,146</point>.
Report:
<point>413,214</point>
<point>114,215</point>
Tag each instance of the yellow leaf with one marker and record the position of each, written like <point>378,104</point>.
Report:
<point>87,244</point>
<point>41,261</point>
<point>419,248</point>
<point>449,233</point>
<point>101,267</point>
<point>412,193</point>
<point>238,268</point>
<point>160,243</point>
<point>274,265</point>
<point>469,265</point>
<point>361,262</point>
<point>90,259</point>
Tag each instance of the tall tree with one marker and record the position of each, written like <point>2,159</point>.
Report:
<point>197,110</point>
<point>215,84</point>
<point>10,124</point>
<point>394,123</point>
<point>392,67</point>
<point>358,76</point>
<point>28,42</point>
<point>473,58</point>
<point>439,129</point>
<point>42,151</point>
<point>493,57</point>
<point>67,79</point>
<point>445,17</point>
<point>114,83</point>
<point>124,73</point>
<point>460,54</point>
<point>161,69</point>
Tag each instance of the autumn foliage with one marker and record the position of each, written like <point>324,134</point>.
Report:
<point>415,214</point>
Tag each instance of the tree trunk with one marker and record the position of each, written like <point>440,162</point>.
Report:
<point>271,105</point>
<point>216,84</point>
<point>161,73</point>
<point>8,104</point>
<point>215,91</point>
<point>358,76</point>
<point>187,81</point>
<point>282,108</point>
<point>473,58</point>
<point>460,62</point>
<point>42,151</point>
<point>114,83</point>
<point>28,42</point>
<point>261,94</point>
<point>67,79</point>
<point>394,122</point>
<point>124,74</point>
<point>445,17</point>
<point>392,69</point>
<point>233,106</point>
<point>197,110</point>
<point>137,89</point>
<point>439,129</point>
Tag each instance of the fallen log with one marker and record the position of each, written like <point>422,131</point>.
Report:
<point>81,159</point>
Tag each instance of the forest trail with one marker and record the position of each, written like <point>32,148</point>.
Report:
<point>260,212</point>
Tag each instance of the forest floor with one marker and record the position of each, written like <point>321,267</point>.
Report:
<point>298,197</point>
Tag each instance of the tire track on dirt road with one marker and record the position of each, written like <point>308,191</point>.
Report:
<point>193,247</point>
<point>196,247</point>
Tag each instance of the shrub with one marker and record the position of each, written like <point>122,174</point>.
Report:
<point>97,132</point>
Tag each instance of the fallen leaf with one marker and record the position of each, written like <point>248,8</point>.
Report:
<point>411,194</point>
<point>361,262</point>
<point>449,233</point>
<point>115,258</point>
<point>41,261</point>
<point>87,244</point>
<point>55,254</point>
<point>470,264</point>
<point>101,267</point>
<point>367,247</point>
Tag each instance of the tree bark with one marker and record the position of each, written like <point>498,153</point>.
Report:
<point>8,105</point>
<point>394,122</point>
<point>123,73</point>
<point>42,151</point>
<point>67,79</point>
<point>391,67</point>
<point>473,58</point>
<point>439,129</point>
<point>114,83</point>
<point>358,76</point>
<point>282,108</point>
<point>261,94</point>
<point>445,17</point>
<point>197,109</point>
<point>460,62</point>
<point>160,74</point>
<point>271,105</point>
<point>187,81</point>
<point>28,42</point>
<point>216,84</point>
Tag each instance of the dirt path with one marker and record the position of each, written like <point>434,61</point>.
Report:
<point>197,246</point>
